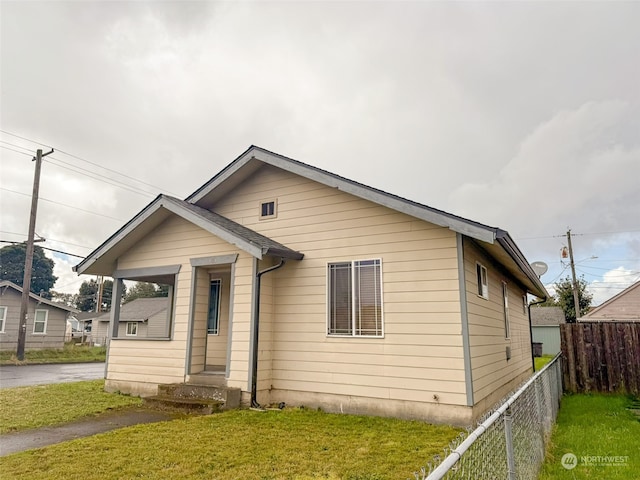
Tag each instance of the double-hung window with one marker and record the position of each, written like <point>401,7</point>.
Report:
<point>355,298</point>
<point>3,318</point>
<point>40,321</point>
<point>132,329</point>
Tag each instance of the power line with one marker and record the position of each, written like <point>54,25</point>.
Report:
<point>49,239</point>
<point>63,204</point>
<point>90,163</point>
<point>44,248</point>
<point>17,151</point>
<point>99,178</point>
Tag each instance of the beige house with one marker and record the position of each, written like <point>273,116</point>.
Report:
<point>46,320</point>
<point>303,287</point>
<point>623,307</point>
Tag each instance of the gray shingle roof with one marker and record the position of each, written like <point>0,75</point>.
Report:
<point>139,310</point>
<point>268,246</point>
<point>541,316</point>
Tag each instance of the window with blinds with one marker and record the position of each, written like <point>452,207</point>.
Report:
<point>355,298</point>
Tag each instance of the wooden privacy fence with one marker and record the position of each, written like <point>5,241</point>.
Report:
<point>601,357</point>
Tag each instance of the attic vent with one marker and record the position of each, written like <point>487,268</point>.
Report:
<point>268,209</point>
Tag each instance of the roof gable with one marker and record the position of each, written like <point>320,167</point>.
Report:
<point>197,209</point>
<point>37,298</point>
<point>247,163</point>
<point>495,240</point>
<point>624,305</point>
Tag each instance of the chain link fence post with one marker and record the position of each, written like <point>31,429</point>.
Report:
<point>508,437</point>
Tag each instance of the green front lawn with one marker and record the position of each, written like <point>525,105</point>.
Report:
<point>45,405</point>
<point>71,353</point>
<point>289,444</point>
<point>602,431</point>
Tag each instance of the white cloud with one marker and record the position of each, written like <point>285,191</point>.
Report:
<point>68,281</point>
<point>612,283</point>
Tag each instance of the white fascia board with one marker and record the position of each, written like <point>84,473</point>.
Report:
<point>423,213</point>
<point>210,227</point>
<point>221,177</point>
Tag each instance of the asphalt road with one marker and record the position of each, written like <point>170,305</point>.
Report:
<point>24,375</point>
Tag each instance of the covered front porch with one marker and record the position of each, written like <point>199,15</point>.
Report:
<point>213,269</point>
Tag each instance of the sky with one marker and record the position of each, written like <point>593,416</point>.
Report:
<point>519,115</point>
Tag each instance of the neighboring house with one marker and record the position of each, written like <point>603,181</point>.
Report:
<point>140,318</point>
<point>545,328</point>
<point>86,320</point>
<point>46,320</point>
<point>307,288</point>
<point>623,307</point>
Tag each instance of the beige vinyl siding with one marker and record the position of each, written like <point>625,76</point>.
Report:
<point>55,327</point>
<point>199,341</point>
<point>217,344</point>
<point>421,353</point>
<point>175,242</point>
<point>492,372</point>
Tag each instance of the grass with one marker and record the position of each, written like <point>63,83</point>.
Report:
<point>591,426</point>
<point>542,361</point>
<point>71,353</point>
<point>44,405</point>
<point>289,444</point>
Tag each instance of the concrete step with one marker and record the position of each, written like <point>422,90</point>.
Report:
<point>200,406</point>
<point>228,397</point>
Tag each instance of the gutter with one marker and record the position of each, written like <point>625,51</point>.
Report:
<point>533,359</point>
<point>256,333</point>
<point>505,240</point>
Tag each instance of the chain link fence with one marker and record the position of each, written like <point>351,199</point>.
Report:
<point>510,440</point>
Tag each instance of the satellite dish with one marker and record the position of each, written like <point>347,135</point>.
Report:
<point>540,268</point>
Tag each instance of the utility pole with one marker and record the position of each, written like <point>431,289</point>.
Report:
<point>28,261</point>
<point>99,294</point>
<point>576,298</point>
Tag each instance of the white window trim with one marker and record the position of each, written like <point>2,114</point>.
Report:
<point>328,297</point>
<point>46,321</point>
<point>505,303</point>
<point>3,319</point>
<point>127,329</point>
<point>275,209</point>
<point>485,291</point>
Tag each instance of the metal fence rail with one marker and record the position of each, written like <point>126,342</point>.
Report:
<point>510,442</point>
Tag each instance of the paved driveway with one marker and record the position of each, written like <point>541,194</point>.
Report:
<point>24,375</point>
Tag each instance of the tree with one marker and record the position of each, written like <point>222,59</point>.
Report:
<point>146,290</point>
<point>564,297</point>
<point>67,299</point>
<point>88,294</point>
<point>12,268</point>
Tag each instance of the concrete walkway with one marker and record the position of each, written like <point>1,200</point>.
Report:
<point>41,437</point>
